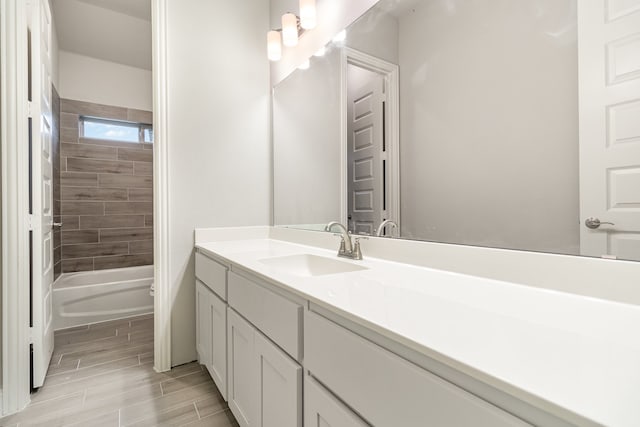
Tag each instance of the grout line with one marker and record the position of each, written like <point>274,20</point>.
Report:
<point>84,398</point>
<point>78,365</point>
<point>197,412</point>
<point>161,388</point>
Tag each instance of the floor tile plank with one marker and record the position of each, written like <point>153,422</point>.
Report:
<point>102,375</point>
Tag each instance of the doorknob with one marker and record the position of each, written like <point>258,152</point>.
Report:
<point>594,223</point>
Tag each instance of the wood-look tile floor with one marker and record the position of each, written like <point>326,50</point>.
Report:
<point>103,375</point>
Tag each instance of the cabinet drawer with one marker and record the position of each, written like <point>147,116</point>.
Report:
<point>386,389</point>
<point>212,274</point>
<point>277,317</point>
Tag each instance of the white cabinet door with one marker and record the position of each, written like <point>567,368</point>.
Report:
<point>203,324</point>
<point>242,376</point>
<point>218,336</point>
<point>321,409</point>
<point>279,386</point>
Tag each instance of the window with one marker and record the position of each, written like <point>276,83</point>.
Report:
<point>114,130</point>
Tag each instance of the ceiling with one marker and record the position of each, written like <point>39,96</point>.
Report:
<point>112,30</point>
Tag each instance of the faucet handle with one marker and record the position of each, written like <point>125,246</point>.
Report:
<point>357,253</point>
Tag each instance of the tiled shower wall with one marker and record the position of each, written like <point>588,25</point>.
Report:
<point>106,193</point>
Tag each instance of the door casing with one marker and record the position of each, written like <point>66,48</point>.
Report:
<point>390,73</point>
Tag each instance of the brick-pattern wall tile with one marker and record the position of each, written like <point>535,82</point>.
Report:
<point>112,221</point>
<point>126,234</point>
<point>96,194</point>
<point>140,155</point>
<point>106,193</point>
<point>87,151</point>
<point>83,250</point>
<point>98,165</point>
<point>78,179</point>
<point>141,194</point>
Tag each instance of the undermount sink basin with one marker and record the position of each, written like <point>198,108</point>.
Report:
<point>307,265</point>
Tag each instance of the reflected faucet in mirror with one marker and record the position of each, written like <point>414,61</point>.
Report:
<point>347,248</point>
<point>382,226</point>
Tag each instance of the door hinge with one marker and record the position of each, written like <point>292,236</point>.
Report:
<point>30,222</point>
<point>29,109</point>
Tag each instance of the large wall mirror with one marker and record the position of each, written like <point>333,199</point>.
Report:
<point>489,122</point>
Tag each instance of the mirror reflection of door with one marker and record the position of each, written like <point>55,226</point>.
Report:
<point>366,150</point>
<point>609,71</point>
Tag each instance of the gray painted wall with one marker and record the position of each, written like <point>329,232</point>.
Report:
<point>489,125</point>
<point>219,146</point>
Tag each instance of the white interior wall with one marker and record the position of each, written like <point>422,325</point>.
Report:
<point>375,34</point>
<point>55,52</point>
<point>219,145</point>
<point>93,80</point>
<point>306,144</point>
<point>489,131</point>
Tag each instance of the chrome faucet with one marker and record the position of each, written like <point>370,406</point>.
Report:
<point>383,225</point>
<point>347,248</point>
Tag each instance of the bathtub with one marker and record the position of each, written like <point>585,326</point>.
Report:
<point>96,296</point>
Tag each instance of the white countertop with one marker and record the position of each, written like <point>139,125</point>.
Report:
<point>564,353</point>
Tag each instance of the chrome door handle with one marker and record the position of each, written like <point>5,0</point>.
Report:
<point>57,224</point>
<point>594,223</point>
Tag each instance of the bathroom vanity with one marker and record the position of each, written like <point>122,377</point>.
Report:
<point>293,335</point>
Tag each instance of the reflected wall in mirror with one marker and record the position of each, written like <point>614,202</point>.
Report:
<point>500,143</point>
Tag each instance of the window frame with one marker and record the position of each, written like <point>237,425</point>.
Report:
<point>142,127</point>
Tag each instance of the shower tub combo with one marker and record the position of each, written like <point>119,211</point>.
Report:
<point>97,296</point>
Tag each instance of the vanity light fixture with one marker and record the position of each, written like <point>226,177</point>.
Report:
<point>308,14</point>
<point>289,30</point>
<point>274,45</point>
<point>292,27</point>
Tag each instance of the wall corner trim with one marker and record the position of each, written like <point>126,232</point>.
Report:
<point>161,232</point>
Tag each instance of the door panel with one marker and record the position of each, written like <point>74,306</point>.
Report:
<point>609,102</point>
<point>365,155</point>
<point>42,190</point>
<point>218,366</point>
<point>203,324</point>
<point>242,393</point>
<point>280,387</point>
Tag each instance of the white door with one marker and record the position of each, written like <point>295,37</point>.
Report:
<point>218,366</point>
<point>203,324</point>
<point>279,384</point>
<point>241,386</point>
<point>366,153</point>
<point>321,409</point>
<point>41,205</point>
<point>609,93</point>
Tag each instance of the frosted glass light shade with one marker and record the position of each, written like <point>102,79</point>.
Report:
<point>289,29</point>
<point>308,18</point>
<point>274,45</point>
